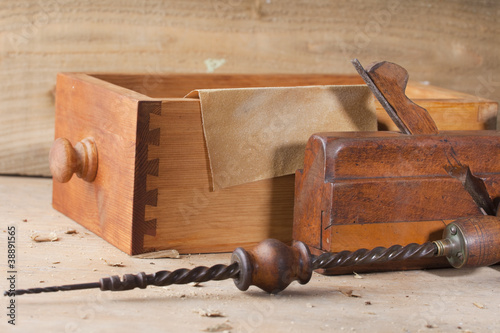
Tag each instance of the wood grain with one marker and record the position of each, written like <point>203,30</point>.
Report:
<point>388,83</point>
<point>80,259</point>
<point>152,189</point>
<point>450,43</point>
<point>355,185</point>
<point>180,85</point>
<point>158,196</point>
<point>66,160</point>
<point>481,238</point>
<point>90,107</point>
<point>450,109</point>
<point>191,218</point>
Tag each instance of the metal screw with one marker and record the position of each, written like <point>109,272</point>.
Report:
<point>453,230</point>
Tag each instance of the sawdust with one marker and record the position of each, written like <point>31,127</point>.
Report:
<point>116,264</point>
<point>357,276</point>
<point>71,232</point>
<point>478,305</point>
<point>209,313</point>
<point>41,237</point>
<point>349,292</point>
<point>173,254</point>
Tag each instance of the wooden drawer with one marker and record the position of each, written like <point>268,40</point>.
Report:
<point>152,189</point>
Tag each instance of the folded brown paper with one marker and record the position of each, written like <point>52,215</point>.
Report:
<point>258,133</point>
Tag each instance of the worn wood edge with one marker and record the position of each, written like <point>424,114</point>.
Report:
<point>157,84</point>
<point>416,90</point>
<point>120,90</point>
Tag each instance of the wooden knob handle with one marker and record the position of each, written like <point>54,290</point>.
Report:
<point>273,265</point>
<point>65,160</point>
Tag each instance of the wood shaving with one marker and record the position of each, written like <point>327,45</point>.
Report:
<point>56,262</point>
<point>209,313</point>
<point>218,328</point>
<point>25,220</point>
<point>38,237</point>
<point>357,276</point>
<point>174,254</point>
<point>71,232</point>
<point>478,305</point>
<point>348,292</point>
<point>368,303</point>
<point>116,264</point>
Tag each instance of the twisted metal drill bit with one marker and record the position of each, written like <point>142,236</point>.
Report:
<point>142,280</point>
<point>376,255</point>
<point>223,272</point>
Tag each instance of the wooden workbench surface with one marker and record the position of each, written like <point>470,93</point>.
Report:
<point>445,300</point>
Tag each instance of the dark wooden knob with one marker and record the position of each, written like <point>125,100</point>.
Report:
<point>65,160</point>
<point>273,265</point>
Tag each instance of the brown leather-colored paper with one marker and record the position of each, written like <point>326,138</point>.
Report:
<point>258,133</point>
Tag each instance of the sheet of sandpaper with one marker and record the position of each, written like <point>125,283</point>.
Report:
<point>258,133</point>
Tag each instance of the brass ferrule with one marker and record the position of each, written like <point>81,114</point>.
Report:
<point>444,247</point>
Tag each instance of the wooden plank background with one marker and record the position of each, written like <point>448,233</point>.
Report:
<point>453,44</point>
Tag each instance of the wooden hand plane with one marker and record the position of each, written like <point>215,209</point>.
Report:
<point>367,189</point>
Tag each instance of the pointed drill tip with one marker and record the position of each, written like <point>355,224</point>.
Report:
<point>10,293</point>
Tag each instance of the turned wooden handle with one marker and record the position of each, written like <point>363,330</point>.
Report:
<point>65,160</point>
<point>473,241</point>
<point>273,265</point>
